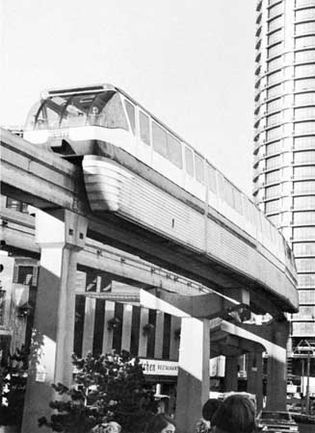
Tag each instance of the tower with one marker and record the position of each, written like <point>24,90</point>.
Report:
<point>284,148</point>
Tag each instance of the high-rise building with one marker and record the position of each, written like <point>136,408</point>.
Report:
<point>284,152</point>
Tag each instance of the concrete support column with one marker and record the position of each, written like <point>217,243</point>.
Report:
<point>277,368</point>
<point>231,379</point>
<point>60,238</point>
<point>255,376</point>
<point>193,382</point>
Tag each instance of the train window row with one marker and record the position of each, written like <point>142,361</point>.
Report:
<point>166,144</point>
<point>170,147</point>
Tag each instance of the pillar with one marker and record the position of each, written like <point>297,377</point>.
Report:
<point>193,382</point>
<point>277,367</point>
<point>60,238</point>
<point>231,370</point>
<point>255,376</point>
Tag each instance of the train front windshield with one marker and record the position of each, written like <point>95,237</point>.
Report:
<point>96,109</point>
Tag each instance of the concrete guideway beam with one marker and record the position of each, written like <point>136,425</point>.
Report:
<point>45,180</point>
<point>273,338</point>
<point>207,306</point>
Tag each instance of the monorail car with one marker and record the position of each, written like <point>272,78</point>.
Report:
<point>136,166</point>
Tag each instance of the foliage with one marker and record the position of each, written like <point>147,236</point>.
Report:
<point>13,377</point>
<point>107,388</point>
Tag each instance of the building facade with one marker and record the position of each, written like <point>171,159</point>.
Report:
<point>284,143</point>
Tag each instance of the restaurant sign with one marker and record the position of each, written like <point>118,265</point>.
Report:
<point>159,367</point>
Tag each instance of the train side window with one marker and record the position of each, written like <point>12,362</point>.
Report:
<point>200,173</point>
<point>144,128</point>
<point>113,115</point>
<point>189,161</point>
<point>50,113</point>
<point>53,117</point>
<point>229,196</point>
<point>32,115</point>
<point>159,139</point>
<point>75,113</point>
<point>131,114</point>
<point>221,185</point>
<point>41,118</point>
<point>237,200</point>
<point>174,151</point>
<point>211,178</point>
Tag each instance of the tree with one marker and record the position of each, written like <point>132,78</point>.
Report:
<point>13,377</point>
<point>107,388</point>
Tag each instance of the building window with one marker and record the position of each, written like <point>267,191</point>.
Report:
<point>304,113</point>
<point>275,50</point>
<point>305,265</point>
<point>275,24</point>
<point>307,249</point>
<point>302,28</point>
<point>301,143</point>
<point>307,171</point>
<point>274,91</point>
<point>304,157</point>
<point>273,191</point>
<point>25,275</point>
<point>305,42</point>
<point>304,217</point>
<point>306,280</point>
<point>307,297</point>
<point>273,176</point>
<point>306,186</point>
<point>16,205</point>
<point>272,206</point>
<point>305,14</point>
<point>304,233</point>
<point>275,10</point>
<point>274,77</point>
<point>273,162</point>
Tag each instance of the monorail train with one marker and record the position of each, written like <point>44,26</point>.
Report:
<point>136,166</point>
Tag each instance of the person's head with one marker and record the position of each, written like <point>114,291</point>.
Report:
<point>209,408</point>
<point>235,415</point>
<point>161,423</point>
<point>113,427</point>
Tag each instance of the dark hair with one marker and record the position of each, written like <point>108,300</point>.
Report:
<point>158,422</point>
<point>235,415</point>
<point>209,408</point>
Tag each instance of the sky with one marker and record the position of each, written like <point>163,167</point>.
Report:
<point>189,62</point>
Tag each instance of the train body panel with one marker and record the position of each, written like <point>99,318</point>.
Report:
<point>96,122</point>
<point>147,205</point>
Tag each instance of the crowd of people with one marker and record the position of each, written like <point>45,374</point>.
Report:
<point>235,414</point>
